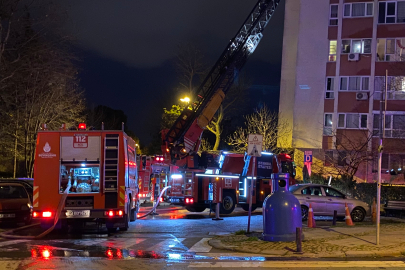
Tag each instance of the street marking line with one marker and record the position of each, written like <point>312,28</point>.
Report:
<point>165,245</point>
<point>90,242</point>
<point>201,246</point>
<point>123,243</point>
<point>296,264</point>
<point>12,242</point>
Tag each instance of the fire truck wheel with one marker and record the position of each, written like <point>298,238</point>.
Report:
<point>195,208</point>
<point>228,203</point>
<point>112,229</point>
<point>246,207</point>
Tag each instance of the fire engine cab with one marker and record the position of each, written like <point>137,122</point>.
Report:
<point>99,168</point>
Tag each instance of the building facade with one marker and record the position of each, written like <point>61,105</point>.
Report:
<point>336,55</point>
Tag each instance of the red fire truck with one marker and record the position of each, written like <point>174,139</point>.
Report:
<point>153,174</point>
<point>100,167</point>
<point>228,182</point>
<point>193,186</point>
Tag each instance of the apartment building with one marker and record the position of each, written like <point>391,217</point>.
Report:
<point>336,54</point>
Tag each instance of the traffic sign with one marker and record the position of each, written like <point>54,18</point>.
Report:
<point>308,156</point>
<point>255,145</point>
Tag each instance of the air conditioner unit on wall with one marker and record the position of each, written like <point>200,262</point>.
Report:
<point>361,96</point>
<point>353,56</point>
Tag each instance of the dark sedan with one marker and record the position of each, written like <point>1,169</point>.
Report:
<point>15,203</point>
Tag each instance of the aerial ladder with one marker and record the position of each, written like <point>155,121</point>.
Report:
<point>184,137</point>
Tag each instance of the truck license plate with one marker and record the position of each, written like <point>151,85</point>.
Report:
<point>7,215</point>
<point>77,213</point>
<point>175,200</point>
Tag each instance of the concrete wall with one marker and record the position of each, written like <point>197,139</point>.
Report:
<point>305,52</point>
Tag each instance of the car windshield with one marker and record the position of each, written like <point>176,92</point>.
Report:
<point>293,188</point>
<point>12,192</point>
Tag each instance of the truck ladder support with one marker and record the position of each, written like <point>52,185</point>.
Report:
<point>187,129</point>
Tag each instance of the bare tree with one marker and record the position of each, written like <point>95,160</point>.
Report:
<point>261,122</point>
<point>349,153</point>
<point>234,100</point>
<point>190,67</point>
<point>38,85</point>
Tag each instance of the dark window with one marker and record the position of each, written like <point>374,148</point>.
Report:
<point>381,12</point>
<point>12,192</point>
<point>332,192</point>
<point>342,158</point>
<point>314,191</point>
<point>385,161</point>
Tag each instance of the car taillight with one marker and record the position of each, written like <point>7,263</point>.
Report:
<point>191,200</point>
<point>110,213</point>
<point>47,214</point>
<point>187,200</point>
<point>161,199</point>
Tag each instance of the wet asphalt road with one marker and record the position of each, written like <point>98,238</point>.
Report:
<point>174,239</point>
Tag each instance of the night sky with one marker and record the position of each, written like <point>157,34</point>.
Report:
<point>128,49</point>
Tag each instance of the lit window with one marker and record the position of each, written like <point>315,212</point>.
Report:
<point>356,46</point>
<point>392,50</point>
<point>332,50</point>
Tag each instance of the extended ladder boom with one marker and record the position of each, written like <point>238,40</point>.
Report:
<point>184,136</point>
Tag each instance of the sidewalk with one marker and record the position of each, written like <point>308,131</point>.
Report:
<point>326,241</point>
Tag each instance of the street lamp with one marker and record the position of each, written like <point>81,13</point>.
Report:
<point>185,99</point>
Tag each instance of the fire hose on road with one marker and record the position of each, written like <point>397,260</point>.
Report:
<point>9,234</point>
<point>157,202</point>
<point>61,205</point>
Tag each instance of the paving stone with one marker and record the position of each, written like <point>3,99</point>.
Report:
<point>343,241</point>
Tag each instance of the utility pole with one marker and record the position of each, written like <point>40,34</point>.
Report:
<point>380,151</point>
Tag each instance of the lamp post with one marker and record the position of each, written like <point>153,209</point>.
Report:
<point>383,104</point>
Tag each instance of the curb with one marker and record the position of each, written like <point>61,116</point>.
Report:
<point>216,243</point>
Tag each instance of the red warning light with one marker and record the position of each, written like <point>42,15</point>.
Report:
<point>46,253</point>
<point>109,254</point>
<point>119,254</point>
<point>82,126</point>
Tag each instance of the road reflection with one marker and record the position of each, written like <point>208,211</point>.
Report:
<point>48,253</point>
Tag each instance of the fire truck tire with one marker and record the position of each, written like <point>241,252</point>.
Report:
<point>228,203</point>
<point>112,229</point>
<point>195,208</point>
<point>246,207</point>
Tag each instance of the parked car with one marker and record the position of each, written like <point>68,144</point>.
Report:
<point>325,200</point>
<point>15,203</point>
